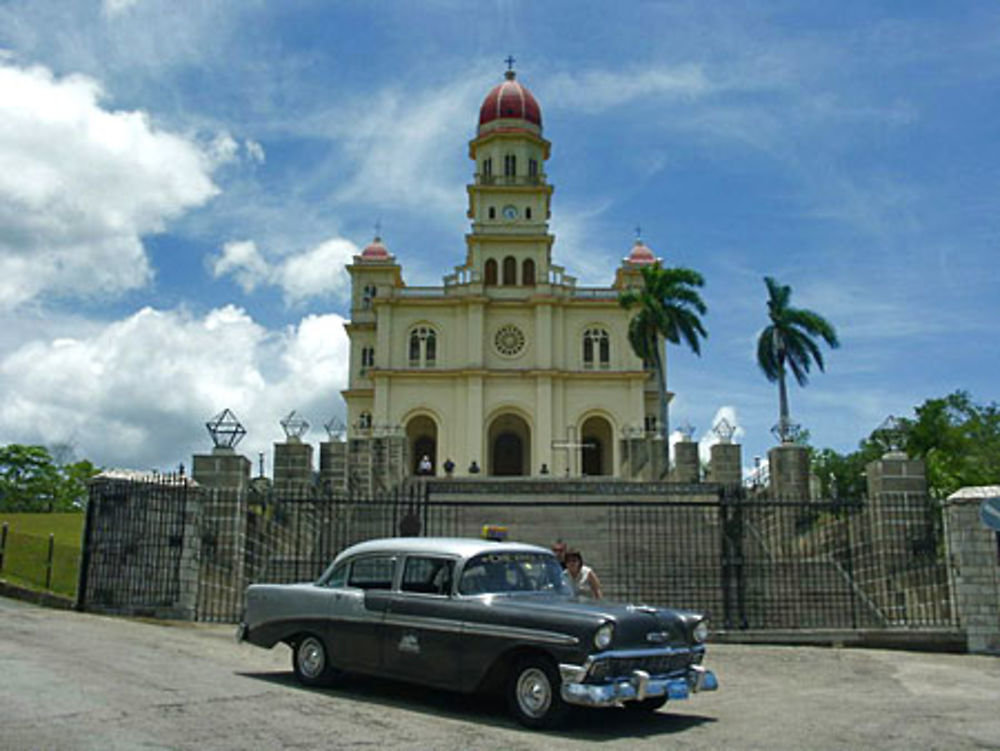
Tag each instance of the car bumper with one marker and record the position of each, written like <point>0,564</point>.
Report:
<point>640,685</point>
<point>241,632</point>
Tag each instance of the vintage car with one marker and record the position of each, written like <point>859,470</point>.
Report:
<point>468,615</point>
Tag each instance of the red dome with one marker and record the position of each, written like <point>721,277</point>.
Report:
<point>375,251</point>
<point>641,255</point>
<point>510,100</point>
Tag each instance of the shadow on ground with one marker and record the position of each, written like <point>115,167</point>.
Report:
<point>490,709</point>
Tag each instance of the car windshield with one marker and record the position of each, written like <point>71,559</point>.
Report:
<point>504,572</point>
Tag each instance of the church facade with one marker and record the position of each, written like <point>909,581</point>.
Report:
<point>509,368</point>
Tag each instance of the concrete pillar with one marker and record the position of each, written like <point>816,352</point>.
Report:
<point>789,472</point>
<point>687,466</point>
<point>223,468</point>
<point>333,465</point>
<point>293,466</point>
<point>973,551</point>
<point>725,464</point>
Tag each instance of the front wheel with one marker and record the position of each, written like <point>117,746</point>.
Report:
<point>533,693</point>
<point>311,662</point>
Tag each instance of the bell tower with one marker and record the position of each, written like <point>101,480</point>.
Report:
<point>509,198</point>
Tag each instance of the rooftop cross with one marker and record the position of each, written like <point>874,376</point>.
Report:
<point>510,62</point>
<point>638,233</point>
<point>378,228</point>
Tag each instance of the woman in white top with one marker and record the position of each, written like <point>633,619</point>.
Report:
<point>584,580</point>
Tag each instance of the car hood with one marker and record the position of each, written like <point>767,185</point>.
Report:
<point>636,626</point>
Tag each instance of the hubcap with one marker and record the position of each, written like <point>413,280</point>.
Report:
<point>534,692</point>
<point>311,658</point>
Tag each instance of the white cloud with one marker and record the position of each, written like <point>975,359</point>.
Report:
<point>114,7</point>
<point>138,392</point>
<point>80,185</point>
<point>243,262</point>
<point>316,272</point>
<point>254,151</point>
<point>597,90</point>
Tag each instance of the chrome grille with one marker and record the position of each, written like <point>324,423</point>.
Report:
<point>622,667</point>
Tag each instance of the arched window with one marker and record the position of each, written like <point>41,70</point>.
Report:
<point>493,212</point>
<point>423,347</point>
<point>528,272</point>
<point>596,349</point>
<point>491,271</point>
<point>487,168</point>
<point>509,270</point>
<point>532,168</point>
<point>650,423</point>
<point>365,420</point>
<point>367,359</point>
<point>367,295</point>
<point>527,212</point>
<point>509,165</point>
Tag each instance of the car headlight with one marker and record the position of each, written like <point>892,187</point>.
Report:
<point>604,635</point>
<point>700,632</point>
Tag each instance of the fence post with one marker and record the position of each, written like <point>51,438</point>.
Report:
<point>3,543</point>
<point>48,562</point>
<point>88,523</point>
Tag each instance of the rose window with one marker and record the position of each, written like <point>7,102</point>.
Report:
<point>509,340</point>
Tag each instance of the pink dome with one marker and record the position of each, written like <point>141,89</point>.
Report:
<point>510,100</point>
<point>375,251</point>
<point>641,255</point>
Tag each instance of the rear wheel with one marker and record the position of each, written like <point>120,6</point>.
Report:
<point>646,705</point>
<point>311,662</point>
<point>533,693</point>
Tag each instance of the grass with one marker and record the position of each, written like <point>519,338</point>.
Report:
<point>26,552</point>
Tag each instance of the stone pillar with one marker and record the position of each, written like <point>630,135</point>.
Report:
<point>973,554</point>
<point>333,465</point>
<point>725,464</point>
<point>896,473</point>
<point>293,467</point>
<point>687,466</point>
<point>223,468</point>
<point>789,472</point>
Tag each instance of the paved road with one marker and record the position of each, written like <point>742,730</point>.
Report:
<point>77,681</point>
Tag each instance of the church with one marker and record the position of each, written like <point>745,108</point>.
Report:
<point>508,368</point>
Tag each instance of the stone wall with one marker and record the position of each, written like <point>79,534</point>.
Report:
<point>974,554</point>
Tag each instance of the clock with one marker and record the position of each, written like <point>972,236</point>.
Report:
<point>510,212</point>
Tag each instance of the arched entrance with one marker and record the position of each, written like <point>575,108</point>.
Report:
<point>598,450</point>
<point>509,446</point>
<point>421,437</point>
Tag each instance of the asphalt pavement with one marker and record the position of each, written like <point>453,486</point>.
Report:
<point>78,681</point>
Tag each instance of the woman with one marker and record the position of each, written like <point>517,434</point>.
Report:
<point>584,580</point>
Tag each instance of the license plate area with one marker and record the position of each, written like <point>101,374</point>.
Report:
<point>677,689</point>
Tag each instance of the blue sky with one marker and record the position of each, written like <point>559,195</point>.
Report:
<point>182,183</point>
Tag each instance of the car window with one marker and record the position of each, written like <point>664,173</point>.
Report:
<point>337,577</point>
<point>374,572</point>
<point>512,572</point>
<point>427,575</point>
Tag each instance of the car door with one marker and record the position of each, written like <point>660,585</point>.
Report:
<point>422,628</point>
<point>358,612</point>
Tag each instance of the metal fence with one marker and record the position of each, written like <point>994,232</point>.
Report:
<point>750,564</point>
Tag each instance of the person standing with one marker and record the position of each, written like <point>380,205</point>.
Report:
<point>583,578</point>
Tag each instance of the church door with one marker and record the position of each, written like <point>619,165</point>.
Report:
<point>592,459</point>
<point>507,455</point>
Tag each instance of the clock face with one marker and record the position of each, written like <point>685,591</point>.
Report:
<point>510,212</point>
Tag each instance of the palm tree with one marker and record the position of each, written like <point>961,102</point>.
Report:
<point>668,307</point>
<point>790,340</point>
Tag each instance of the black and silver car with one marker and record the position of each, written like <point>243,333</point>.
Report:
<point>469,615</point>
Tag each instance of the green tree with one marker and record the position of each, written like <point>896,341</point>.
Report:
<point>667,307</point>
<point>789,341</point>
<point>30,480</point>
<point>958,440</point>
